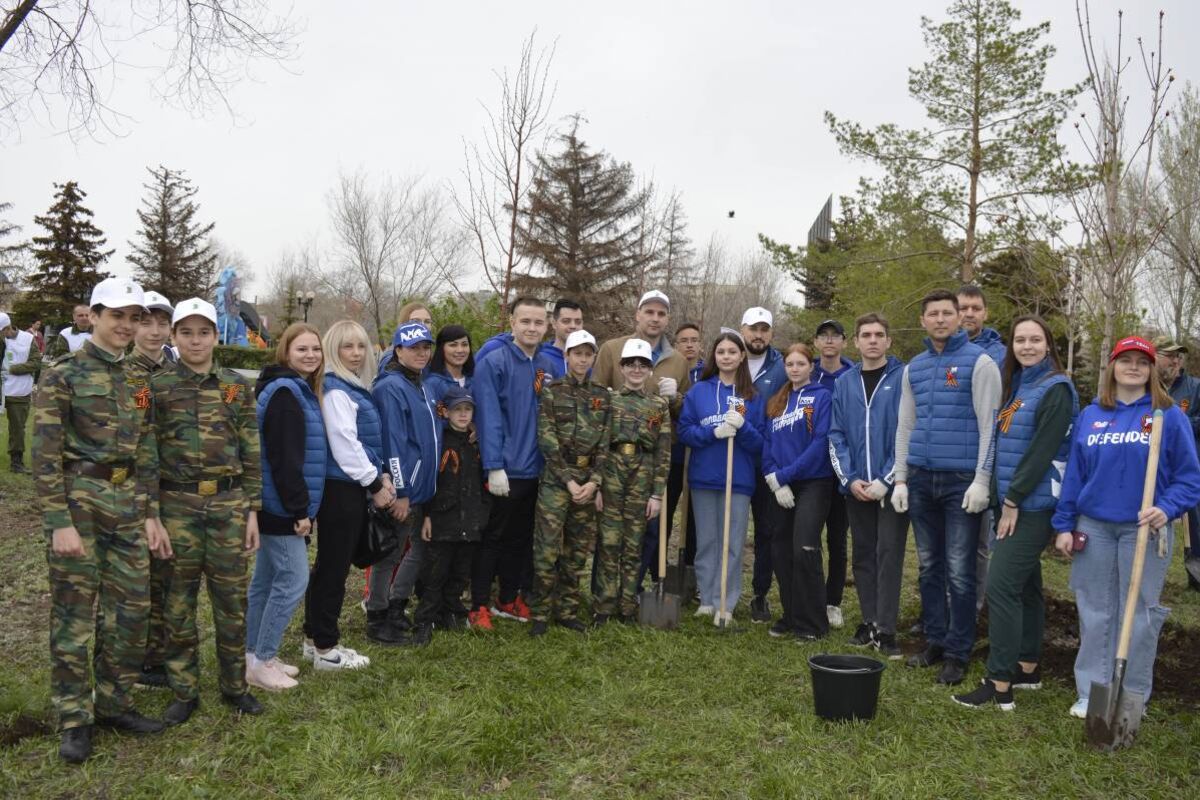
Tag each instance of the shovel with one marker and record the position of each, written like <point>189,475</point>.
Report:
<point>1191,563</point>
<point>1114,714</point>
<point>656,608</point>
<point>720,616</point>
<point>681,577</point>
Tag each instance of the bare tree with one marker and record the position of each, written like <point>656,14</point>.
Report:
<point>56,54</point>
<point>497,174</point>
<point>724,285</point>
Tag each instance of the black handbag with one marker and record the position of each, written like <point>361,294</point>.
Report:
<point>379,539</point>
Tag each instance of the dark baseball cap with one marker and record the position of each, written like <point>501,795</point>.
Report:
<point>831,323</point>
<point>456,396</point>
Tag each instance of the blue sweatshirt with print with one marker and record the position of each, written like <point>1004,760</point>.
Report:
<point>797,441</point>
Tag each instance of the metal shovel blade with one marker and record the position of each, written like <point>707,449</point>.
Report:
<point>674,579</point>
<point>1113,716</point>
<point>657,609</point>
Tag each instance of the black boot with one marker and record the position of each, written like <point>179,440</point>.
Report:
<point>397,616</point>
<point>422,634</point>
<point>131,722</point>
<point>381,630</point>
<point>76,744</point>
<point>243,703</point>
<point>180,711</point>
<point>17,465</point>
<point>153,677</point>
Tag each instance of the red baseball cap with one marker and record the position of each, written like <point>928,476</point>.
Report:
<point>1134,344</point>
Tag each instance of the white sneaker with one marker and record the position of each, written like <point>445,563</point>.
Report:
<point>704,611</point>
<point>337,658</point>
<point>1079,710</point>
<point>723,619</point>
<point>355,654</point>
<point>267,675</point>
<point>835,616</point>
<point>307,650</point>
<point>287,669</point>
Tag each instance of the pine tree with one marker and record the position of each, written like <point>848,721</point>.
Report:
<point>67,259</point>
<point>580,229</point>
<point>171,253</point>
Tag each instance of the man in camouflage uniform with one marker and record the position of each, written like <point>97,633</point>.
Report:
<point>573,438</point>
<point>96,470</point>
<point>211,488</point>
<point>71,338</point>
<point>634,479</point>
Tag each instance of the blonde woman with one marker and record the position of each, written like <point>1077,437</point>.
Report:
<point>353,472</point>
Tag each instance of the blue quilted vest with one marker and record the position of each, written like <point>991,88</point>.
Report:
<point>315,446</point>
<point>370,426</point>
<point>1014,434</point>
<point>946,434</point>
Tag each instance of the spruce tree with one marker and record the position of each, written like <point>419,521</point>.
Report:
<point>171,253</point>
<point>67,259</point>
<point>579,229</point>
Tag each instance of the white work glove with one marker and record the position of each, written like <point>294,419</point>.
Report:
<point>498,482</point>
<point>900,498</point>
<point>876,489</point>
<point>784,496</point>
<point>772,482</point>
<point>668,387</point>
<point>976,498</point>
<point>725,431</point>
<point>733,419</point>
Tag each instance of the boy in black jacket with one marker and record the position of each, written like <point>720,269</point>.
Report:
<point>456,517</point>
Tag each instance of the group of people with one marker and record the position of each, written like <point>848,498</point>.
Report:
<point>495,472</point>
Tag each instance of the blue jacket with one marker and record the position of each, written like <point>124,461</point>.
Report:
<point>945,435</point>
<point>437,383</point>
<point>772,375</point>
<point>557,358</point>
<point>1015,429</point>
<point>1185,391</point>
<point>862,435</point>
<point>315,444</point>
<point>704,409</point>
<point>677,447</point>
<point>368,421</point>
<point>827,379</point>
<point>411,434</point>
<point>797,441</point>
<point>1107,465</point>
<point>989,339</point>
<point>507,387</point>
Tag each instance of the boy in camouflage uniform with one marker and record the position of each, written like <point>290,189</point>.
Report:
<point>211,485</point>
<point>96,471</point>
<point>573,438</point>
<point>634,479</point>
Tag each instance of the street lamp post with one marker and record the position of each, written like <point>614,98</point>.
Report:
<point>304,300</point>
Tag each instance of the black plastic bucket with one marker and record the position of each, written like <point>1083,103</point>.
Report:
<point>845,687</point>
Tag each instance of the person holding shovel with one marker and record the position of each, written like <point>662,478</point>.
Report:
<point>634,481</point>
<point>722,406</point>
<point>1100,500</point>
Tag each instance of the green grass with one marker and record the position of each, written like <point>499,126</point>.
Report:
<point>623,712</point>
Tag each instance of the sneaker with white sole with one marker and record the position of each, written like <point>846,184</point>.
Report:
<point>834,613</point>
<point>704,611</point>
<point>267,675</point>
<point>291,670</point>
<point>307,649</point>
<point>986,695</point>
<point>1028,680</point>
<point>1079,709</point>
<point>337,658</point>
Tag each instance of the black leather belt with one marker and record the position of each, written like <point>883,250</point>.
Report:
<point>204,488</point>
<point>116,474</point>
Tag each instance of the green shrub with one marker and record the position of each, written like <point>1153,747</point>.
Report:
<point>234,357</point>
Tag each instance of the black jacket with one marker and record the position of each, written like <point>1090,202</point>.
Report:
<point>459,508</point>
<point>282,437</point>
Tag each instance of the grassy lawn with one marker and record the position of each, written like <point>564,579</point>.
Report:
<point>623,712</point>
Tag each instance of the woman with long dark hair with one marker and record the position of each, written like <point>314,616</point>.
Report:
<point>453,361</point>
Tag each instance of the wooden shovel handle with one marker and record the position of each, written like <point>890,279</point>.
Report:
<point>1143,537</point>
<point>725,534</point>
<point>664,521</point>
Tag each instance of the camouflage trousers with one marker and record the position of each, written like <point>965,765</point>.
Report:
<point>112,575</point>
<point>156,626</point>
<point>207,535</point>
<point>564,533</point>
<point>627,486</point>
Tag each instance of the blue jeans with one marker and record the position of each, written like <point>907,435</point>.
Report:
<point>1100,579</point>
<point>280,578</point>
<point>947,537</point>
<point>710,519</point>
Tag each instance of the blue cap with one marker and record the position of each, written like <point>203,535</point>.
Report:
<point>410,334</point>
<point>456,396</point>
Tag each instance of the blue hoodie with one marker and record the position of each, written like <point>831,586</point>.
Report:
<point>797,441</point>
<point>506,386</point>
<point>1107,465</point>
<point>556,357</point>
<point>704,409</point>
<point>411,434</point>
<point>827,379</point>
<point>989,339</point>
<point>437,383</point>
<point>862,436</point>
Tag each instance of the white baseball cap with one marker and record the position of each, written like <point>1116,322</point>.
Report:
<point>637,348</point>
<point>157,302</point>
<point>194,307</point>
<point>755,315</point>
<point>117,293</point>
<point>655,295</point>
<point>5,320</point>
<point>577,338</point>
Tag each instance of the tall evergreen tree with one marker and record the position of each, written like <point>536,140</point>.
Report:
<point>580,230</point>
<point>171,253</point>
<point>67,259</point>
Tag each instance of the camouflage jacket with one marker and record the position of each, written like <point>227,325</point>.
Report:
<point>572,426</point>
<point>91,408</point>
<point>644,420</point>
<point>207,428</point>
<point>137,363</point>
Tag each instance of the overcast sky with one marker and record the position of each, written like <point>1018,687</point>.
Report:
<point>722,101</point>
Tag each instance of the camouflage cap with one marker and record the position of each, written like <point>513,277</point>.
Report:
<point>1165,344</point>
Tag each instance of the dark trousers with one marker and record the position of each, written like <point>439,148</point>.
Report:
<point>762,511</point>
<point>878,535</point>
<point>340,522</point>
<point>1016,610</point>
<point>797,555</point>
<point>1193,519</point>
<point>444,575</point>
<point>507,547</point>
<point>836,524</point>
<point>17,411</point>
<point>650,541</point>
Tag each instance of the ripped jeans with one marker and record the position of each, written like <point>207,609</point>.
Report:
<point>1100,580</point>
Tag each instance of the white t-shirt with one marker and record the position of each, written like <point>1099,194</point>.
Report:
<point>755,363</point>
